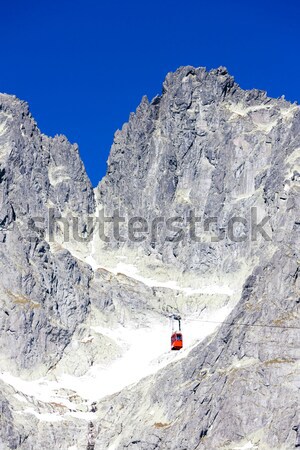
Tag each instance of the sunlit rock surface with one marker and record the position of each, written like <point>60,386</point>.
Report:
<point>84,323</point>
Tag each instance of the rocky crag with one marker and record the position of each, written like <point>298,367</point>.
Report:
<point>211,173</point>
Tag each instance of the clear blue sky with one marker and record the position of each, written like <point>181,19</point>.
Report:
<point>84,65</point>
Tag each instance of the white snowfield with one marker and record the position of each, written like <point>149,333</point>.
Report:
<point>148,351</point>
<point>247,446</point>
<point>146,348</point>
<point>132,272</point>
<point>160,276</point>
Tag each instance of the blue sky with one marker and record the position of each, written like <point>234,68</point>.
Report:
<point>83,66</point>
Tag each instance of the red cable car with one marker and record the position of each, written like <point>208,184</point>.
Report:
<point>176,340</point>
<point>176,337</point>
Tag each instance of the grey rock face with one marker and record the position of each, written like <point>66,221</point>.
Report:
<point>44,296</point>
<point>207,146</point>
<point>204,146</point>
<point>242,385</point>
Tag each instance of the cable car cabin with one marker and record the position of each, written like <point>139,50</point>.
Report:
<point>176,341</point>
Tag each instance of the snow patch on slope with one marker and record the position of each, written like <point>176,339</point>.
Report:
<point>132,271</point>
<point>148,350</point>
<point>247,446</point>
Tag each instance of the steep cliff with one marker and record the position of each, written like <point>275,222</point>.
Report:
<point>44,295</point>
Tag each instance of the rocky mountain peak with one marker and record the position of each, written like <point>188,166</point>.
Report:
<point>205,181</point>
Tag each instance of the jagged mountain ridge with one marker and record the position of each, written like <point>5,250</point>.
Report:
<point>34,169</point>
<point>204,144</point>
